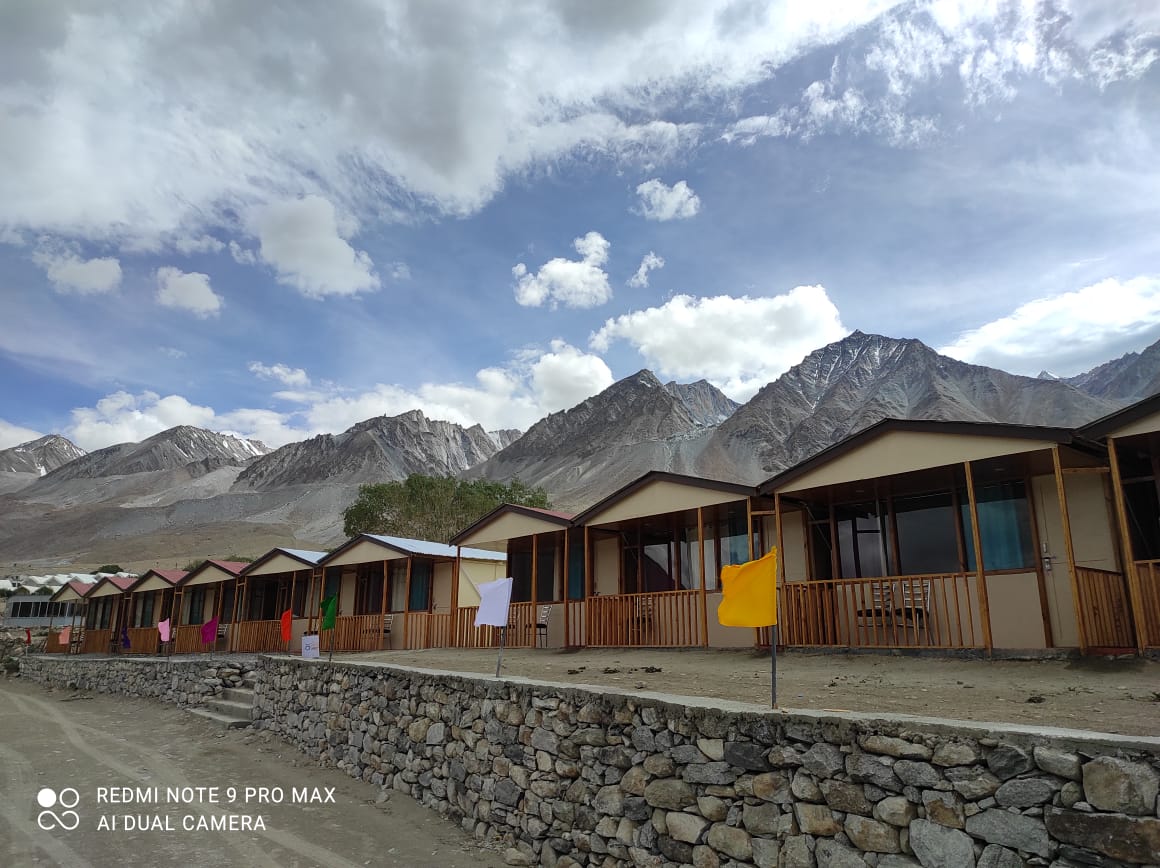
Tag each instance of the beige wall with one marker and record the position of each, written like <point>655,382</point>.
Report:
<point>472,573</point>
<point>793,553</point>
<point>280,563</point>
<point>346,592</point>
<point>725,637</point>
<point>213,574</point>
<point>1057,579</point>
<point>441,587</point>
<point>904,451</point>
<point>1016,618</point>
<point>659,498</point>
<point>510,526</point>
<point>109,590</point>
<point>153,583</point>
<point>364,552</point>
<point>606,566</point>
<point>1141,426</point>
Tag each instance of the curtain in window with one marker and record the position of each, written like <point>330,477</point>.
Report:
<point>576,567</point>
<point>1004,528</point>
<point>420,586</point>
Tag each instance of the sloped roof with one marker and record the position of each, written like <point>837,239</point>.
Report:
<point>1103,426</point>
<point>740,489</point>
<point>427,548</point>
<point>563,519</point>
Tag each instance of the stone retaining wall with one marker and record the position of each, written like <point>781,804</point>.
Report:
<point>597,777</point>
<point>181,680</point>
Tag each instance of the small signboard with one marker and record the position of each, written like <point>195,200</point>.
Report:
<point>310,645</point>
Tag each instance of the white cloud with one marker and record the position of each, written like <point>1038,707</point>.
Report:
<point>14,435</point>
<point>303,241</point>
<point>122,417</point>
<point>189,244</point>
<point>533,384</point>
<point>188,291</point>
<point>573,283</point>
<point>1067,333</point>
<point>737,343</point>
<point>70,273</point>
<point>650,262</point>
<point>283,373</point>
<point>659,202</point>
<point>566,376</point>
<point>243,255</point>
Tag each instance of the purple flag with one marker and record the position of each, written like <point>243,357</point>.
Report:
<point>125,636</point>
<point>209,631</point>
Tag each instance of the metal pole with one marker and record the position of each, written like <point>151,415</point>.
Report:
<point>499,659</point>
<point>773,660</point>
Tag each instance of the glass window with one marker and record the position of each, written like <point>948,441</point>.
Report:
<point>1143,508</point>
<point>927,534</point>
<point>196,610</point>
<point>227,592</point>
<point>521,567</point>
<point>576,566</point>
<point>546,569</point>
<point>861,541</point>
<point>1005,527</point>
<point>398,589</point>
<point>421,571</point>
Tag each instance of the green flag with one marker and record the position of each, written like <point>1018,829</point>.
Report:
<point>329,609</point>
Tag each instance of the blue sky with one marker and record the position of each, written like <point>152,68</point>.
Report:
<point>277,223</point>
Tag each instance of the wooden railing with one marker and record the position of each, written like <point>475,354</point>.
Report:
<point>96,642</point>
<point>258,636</point>
<point>427,630</point>
<point>143,640</point>
<point>929,611</point>
<point>187,639</point>
<point>576,614</point>
<point>521,628</point>
<point>669,619</point>
<point>355,633</point>
<point>1105,608</point>
<point>1149,573</point>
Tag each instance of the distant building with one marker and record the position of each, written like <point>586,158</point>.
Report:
<point>36,610</point>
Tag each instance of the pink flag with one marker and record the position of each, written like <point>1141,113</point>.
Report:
<point>164,629</point>
<point>209,631</point>
<point>65,636</point>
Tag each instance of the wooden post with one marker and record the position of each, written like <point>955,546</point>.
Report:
<point>567,591</point>
<point>704,578</point>
<point>588,586</point>
<point>383,601</point>
<point>1061,491</point>
<point>980,573</point>
<point>1040,577</point>
<point>407,603</point>
<point>535,567</point>
<point>780,569</point>
<point>239,590</point>
<point>1139,621</point>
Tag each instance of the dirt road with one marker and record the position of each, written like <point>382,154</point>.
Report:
<point>1120,696</point>
<point>98,745</point>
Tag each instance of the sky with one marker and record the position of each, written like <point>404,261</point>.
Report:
<point>278,220</point>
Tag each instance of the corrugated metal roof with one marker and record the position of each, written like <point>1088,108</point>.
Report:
<point>303,554</point>
<point>434,549</point>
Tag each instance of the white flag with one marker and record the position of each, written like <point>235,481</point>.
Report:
<point>494,600</point>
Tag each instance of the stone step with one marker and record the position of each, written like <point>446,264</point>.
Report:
<point>238,694</point>
<point>224,720</point>
<point>240,710</point>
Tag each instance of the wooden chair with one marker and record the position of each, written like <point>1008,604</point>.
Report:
<point>385,639</point>
<point>642,619</point>
<point>545,614</point>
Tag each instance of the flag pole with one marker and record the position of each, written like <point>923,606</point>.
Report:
<point>499,660</point>
<point>773,660</point>
<point>330,658</point>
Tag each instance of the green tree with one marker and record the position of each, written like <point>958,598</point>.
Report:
<point>432,507</point>
<point>108,568</point>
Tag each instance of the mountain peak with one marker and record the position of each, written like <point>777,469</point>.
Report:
<point>40,456</point>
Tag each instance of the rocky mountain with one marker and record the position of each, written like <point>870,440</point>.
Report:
<point>861,379</point>
<point>635,425</point>
<point>39,456</point>
<point>182,447</point>
<point>377,450</point>
<point>707,404</point>
<point>505,437</point>
<point>1129,378</point>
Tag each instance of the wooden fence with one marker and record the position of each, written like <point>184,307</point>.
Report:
<point>1149,573</point>
<point>670,619</point>
<point>187,639</point>
<point>521,631</point>
<point>354,633</point>
<point>1105,609</point>
<point>143,640</point>
<point>257,636</point>
<point>97,642</point>
<point>928,611</point>
<point>427,630</point>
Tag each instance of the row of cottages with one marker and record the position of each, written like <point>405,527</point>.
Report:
<point>908,534</point>
<point>390,593</point>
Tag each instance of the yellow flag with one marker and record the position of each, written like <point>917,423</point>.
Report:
<point>749,593</point>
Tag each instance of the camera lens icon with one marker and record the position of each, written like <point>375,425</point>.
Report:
<point>67,799</point>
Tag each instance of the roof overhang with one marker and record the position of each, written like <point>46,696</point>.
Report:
<point>509,521</point>
<point>278,561</point>
<point>658,493</point>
